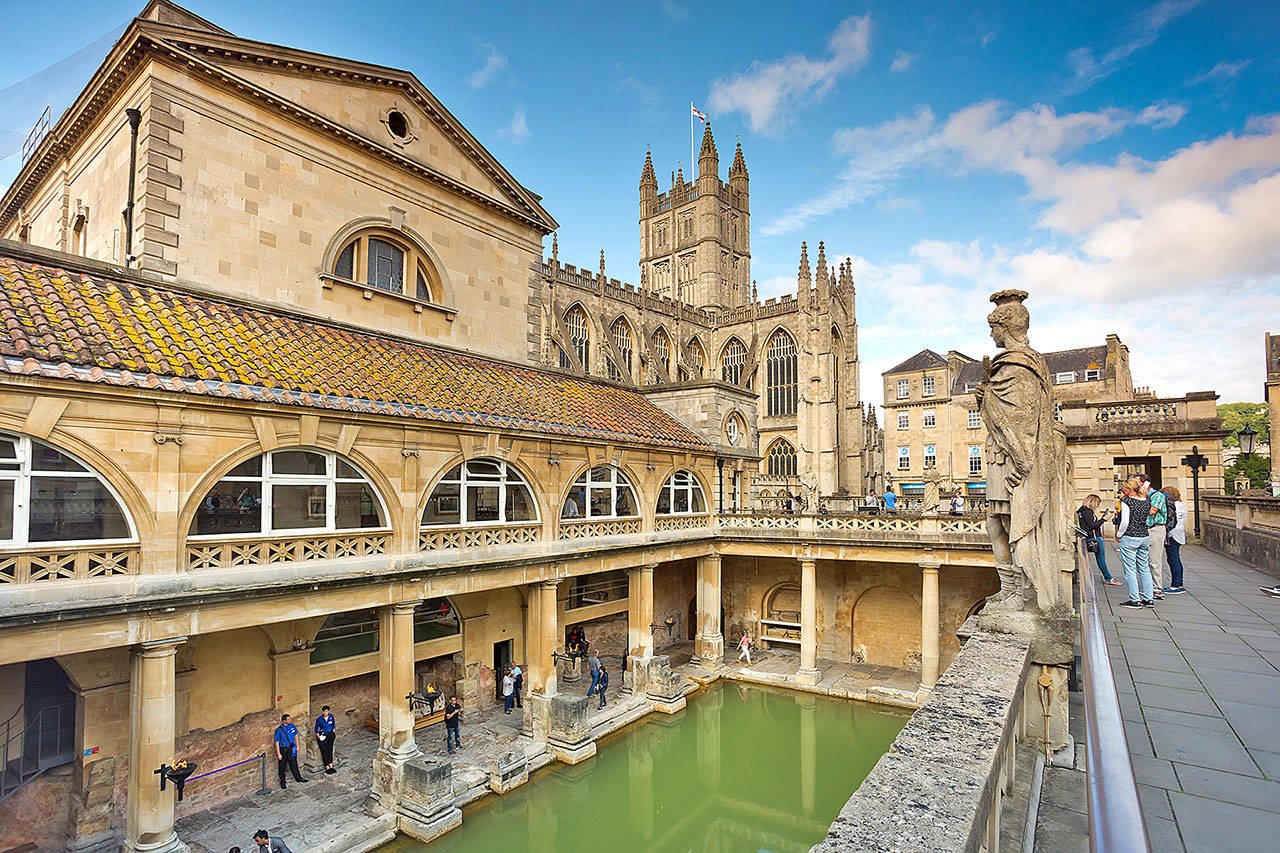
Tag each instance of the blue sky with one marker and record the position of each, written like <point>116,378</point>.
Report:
<point>1121,161</point>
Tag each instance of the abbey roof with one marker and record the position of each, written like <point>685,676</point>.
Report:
<point>91,327</point>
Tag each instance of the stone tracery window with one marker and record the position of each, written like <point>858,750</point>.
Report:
<point>780,461</point>
<point>480,491</point>
<point>46,495</point>
<point>681,495</point>
<point>601,491</point>
<point>733,360</point>
<point>662,349</point>
<point>697,358</point>
<point>622,342</point>
<point>577,327</point>
<point>382,259</point>
<point>287,491</point>
<point>780,372</point>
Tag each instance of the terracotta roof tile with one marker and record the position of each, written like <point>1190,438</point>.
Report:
<point>63,324</point>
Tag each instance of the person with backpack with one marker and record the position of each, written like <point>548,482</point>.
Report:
<point>1175,538</point>
<point>1091,523</point>
<point>1157,527</point>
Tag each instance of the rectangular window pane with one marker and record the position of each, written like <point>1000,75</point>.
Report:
<point>298,462</point>
<point>681,503</point>
<point>230,507</point>
<point>602,501</point>
<point>73,508</point>
<point>298,507</point>
<point>443,506</point>
<point>482,503</point>
<point>6,509</point>
<point>356,507</point>
<point>386,266</point>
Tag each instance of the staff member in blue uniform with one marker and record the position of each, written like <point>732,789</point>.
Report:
<point>286,739</point>
<point>325,734</point>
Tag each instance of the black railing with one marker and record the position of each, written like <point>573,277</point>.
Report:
<point>30,747</point>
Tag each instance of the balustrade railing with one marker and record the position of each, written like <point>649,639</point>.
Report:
<point>446,538</point>
<point>1136,413</point>
<point>681,522</point>
<point>971,524</point>
<point>227,553</point>
<point>585,528</point>
<point>68,562</point>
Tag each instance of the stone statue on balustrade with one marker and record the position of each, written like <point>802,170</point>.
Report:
<point>932,481</point>
<point>1028,481</point>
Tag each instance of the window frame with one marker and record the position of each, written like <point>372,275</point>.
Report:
<point>928,387</point>
<point>781,450</point>
<point>904,420</point>
<point>974,419</point>
<point>739,356</point>
<point>22,477</point>
<point>581,345</point>
<point>414,259</point>
<point>930,459</point>
<point>502,480</point>
<point>624,343</point>
<point>928,418</point>
<point>1064,377</point>
<point>781,372</point>
<point>588,482</point>
<point>268,480</point>
<point>1093,374</point>
<point>904,389</point>
<point>975,456</point>
<point>904,459</point>
<point>690,488</point>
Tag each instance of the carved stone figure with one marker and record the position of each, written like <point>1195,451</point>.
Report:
<point>1027,478</point>
<point>932,479</point>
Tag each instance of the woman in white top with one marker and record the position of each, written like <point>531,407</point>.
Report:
<point>1174,539</point>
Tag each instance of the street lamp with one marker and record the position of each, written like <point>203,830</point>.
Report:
<point>1246,435</point>
<point>1197,462</point>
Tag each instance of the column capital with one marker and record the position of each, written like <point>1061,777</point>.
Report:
<point>644,567</point>
<point>403,607</point>
<point>160,648</point>
<point>808,562</point>
<point>712,558</point>
<point>929,566</point>
<point>548,584</point>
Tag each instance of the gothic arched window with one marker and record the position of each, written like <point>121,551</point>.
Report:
<point>47,495</point>
<point>733,359</point>
<point>662,350</point>
<point>284,491</point>
<point>780,372</point>
<point>697,359</point>
<point>578,329</point>
<point>480,491</point>
<point>780,461</point>
<point>622,342</point>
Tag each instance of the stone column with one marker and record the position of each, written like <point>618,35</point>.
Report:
<point>929,626</point>
<point>709,646</point>
<point>640,611</point>
<point>544,639</point>
<point>152,724</point>
<point>808,674</point>
<point>396,743</point>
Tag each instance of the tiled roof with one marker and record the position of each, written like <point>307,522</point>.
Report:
<point>1079,360</point>
<point>68,325</point>
<point>922,360</point>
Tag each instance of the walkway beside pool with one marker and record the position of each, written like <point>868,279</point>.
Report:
<point>1199,684</point>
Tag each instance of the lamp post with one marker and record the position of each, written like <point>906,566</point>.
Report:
<point>1246,435</point>
<point>1197,462</point>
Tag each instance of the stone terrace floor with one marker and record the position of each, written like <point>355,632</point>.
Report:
<point>1199,683</point>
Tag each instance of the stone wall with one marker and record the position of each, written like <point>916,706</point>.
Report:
<point>1245,528</point>
<point>674,586</point>
<point>48,796</point>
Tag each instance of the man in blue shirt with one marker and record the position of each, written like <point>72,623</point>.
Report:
<point>325,734</point>
<point>286,740</point>
<point>890,499</point>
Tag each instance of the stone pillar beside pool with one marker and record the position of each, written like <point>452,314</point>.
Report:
<point>426,810</point>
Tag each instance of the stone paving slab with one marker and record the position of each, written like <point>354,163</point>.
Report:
<point>1198,678</point>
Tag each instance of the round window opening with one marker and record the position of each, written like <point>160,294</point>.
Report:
<point>733,430</point>
<point>398,124</point>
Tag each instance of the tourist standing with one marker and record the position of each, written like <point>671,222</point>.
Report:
<point>518,674</point>
<point>744,647</point>
<point>1175,538</point>
<point>604,683</point>
<point>267,844</point>
<point>957,503</point>
<point>508,691</point>
<point>1091,523</point>
<point>890,500</point>
<point>326,733</point>
<point>286,740</point>
<point>594,663</point>
<point>1157,527</point>
<point>452,724</point>
<point>1134,542</point>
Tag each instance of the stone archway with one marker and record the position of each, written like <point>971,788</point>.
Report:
<point>886,627</point>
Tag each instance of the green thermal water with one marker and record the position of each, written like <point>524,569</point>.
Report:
<point>740,769</point>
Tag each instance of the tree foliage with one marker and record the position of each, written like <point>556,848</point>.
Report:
<point>1234,417</point>
<point>1256,468</point>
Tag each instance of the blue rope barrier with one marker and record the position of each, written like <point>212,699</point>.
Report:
<point>228,767</point>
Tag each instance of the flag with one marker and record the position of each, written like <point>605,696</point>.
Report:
<point>695,111</point>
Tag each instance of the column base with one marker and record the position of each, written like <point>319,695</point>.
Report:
<point>429,829</point>
<point>388,777</point>
<point>709,649</point>
<point>572,753</point>
<point>172,844</point>
<point>667,705</point>
<point>808,677</point>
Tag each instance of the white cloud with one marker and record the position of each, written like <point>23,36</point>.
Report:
<point>1222,71</point>
<point>1142,32</point>
<point>673,10</point>
<point>898,203</point>
<point>902,61</point>
<point>518,129</point>
<point>495,61</point>
<point>646,94</point>
<point>769,93</point>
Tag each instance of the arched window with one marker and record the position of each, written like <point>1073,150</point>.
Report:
<point>47,495</point>
<point>662,350</point>
<point>780,372</point>
<point>781,459</point>
<point>480,491</point>
<point>578,329</point>
<point>383,259</point>
<point>355,632</point>
<point>697,358</point>
<point>681,495</point>
<point>733,359</point>
<point>290,490</point>
<point>622,342</point>
<point>600,492</point>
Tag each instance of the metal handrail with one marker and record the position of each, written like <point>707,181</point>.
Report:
<point>1115,815</point>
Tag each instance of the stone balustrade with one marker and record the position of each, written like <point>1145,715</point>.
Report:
<point>1244,527</point>
<point>251,551</point>
<point>443,538</point>
<point>68,562</point>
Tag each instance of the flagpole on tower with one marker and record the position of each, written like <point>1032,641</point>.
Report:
<point>692,141</point>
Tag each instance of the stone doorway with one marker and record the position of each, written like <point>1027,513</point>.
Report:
<point>1132,466</point>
